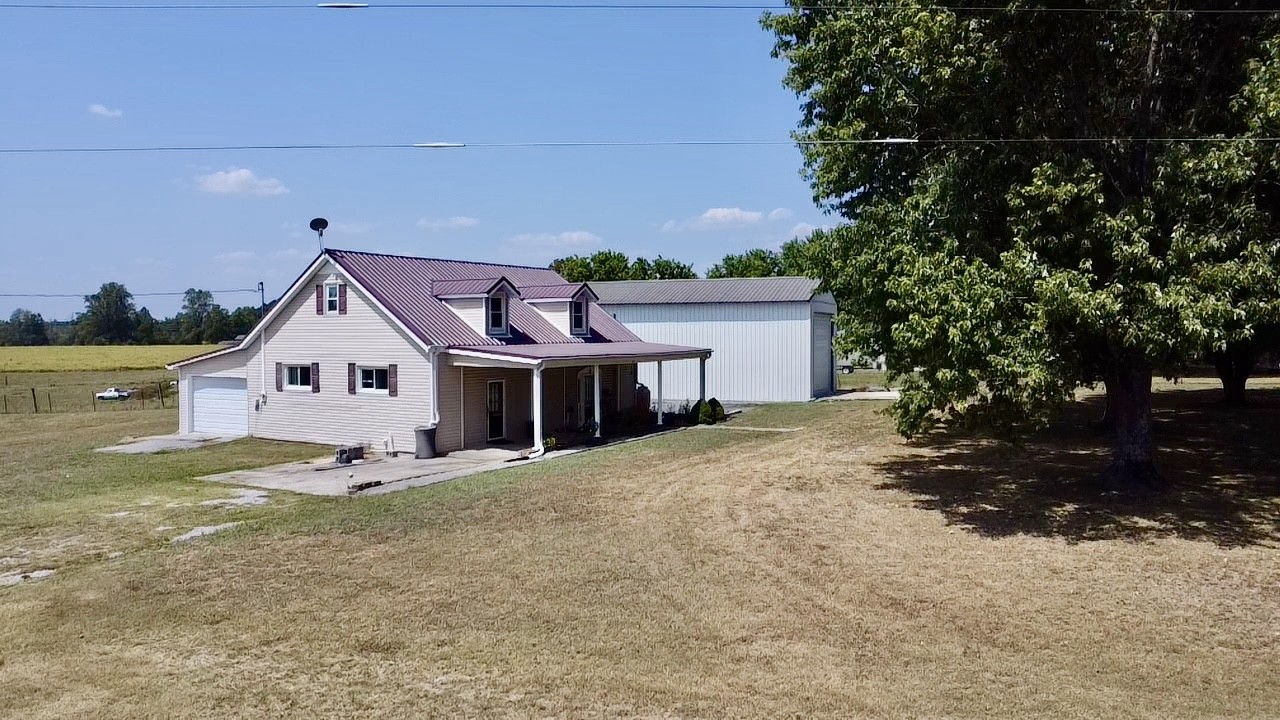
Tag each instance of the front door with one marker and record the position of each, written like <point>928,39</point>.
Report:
<point>497,410</point>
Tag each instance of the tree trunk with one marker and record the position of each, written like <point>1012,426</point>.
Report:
<point>1107,423</point>
<point>1234,367</point>
<point>1133,469</point>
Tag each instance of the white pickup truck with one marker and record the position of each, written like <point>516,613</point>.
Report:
<point>113,394</point>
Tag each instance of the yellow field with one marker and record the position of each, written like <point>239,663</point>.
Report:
<point>65,358</point>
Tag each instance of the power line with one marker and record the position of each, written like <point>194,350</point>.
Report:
<point>554,144</point>
<point>81,296</point>
<point>632,7</point>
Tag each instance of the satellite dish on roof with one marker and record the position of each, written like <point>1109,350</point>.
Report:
<point>318,226</point>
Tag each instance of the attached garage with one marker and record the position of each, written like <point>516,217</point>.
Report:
<point>213,394</point>
<point>770,337</point>
<point>220,406</point>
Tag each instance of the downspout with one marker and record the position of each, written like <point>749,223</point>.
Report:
<point>435,386</point>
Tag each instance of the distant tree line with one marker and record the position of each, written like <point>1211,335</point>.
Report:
<point>110,317</point>
<point>792,259</point>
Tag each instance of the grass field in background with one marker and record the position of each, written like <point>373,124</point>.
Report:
<point>64,358</point>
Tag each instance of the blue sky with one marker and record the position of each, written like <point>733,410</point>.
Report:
<point>162,222</point>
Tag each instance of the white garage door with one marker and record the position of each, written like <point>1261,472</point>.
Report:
<point>219,406</point>
<point>822,355</point>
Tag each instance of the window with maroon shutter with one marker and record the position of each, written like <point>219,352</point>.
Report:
<point>342,299</point>
<point>351,378</point>
<point>279,377</point>
<point>393,380</point>
<point>315,377</point>
<point>319,299</point>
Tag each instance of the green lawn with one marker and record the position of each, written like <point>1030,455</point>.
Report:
<point>832,571</point>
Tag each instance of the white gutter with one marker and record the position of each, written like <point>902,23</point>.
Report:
<point>435,386</point>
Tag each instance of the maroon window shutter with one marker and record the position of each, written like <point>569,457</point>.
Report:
<point>342,299</point>
<point>315,377</point>
<point>393,381</point>
<point>351,378</point>
<point>279,377</point>
<point>319,299</point>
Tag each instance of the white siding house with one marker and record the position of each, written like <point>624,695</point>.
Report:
<point>364,348</point>
<point>770,337</point>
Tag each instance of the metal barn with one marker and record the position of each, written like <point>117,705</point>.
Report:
<point>770,337</point>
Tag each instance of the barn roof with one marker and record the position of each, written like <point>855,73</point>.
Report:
<point>717,290</point>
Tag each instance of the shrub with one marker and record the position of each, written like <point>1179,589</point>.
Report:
<point>706,416</point>
<point>695,413</point>
<point>717,409</point>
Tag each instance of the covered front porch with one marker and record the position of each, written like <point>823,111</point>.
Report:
<point>494,397</point>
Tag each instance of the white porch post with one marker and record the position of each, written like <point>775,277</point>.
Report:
<point>702,378</point>
<point>659,392</point>
<point>537,409</point>
<point>595,377</point>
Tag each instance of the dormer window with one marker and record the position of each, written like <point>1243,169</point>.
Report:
<point>496,315</point>
<point>578,316</point>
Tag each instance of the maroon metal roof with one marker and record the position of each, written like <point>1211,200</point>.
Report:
<point>474,286</point>
<point>611,351</point>
<point>406,286</point>
<point>563,291</point>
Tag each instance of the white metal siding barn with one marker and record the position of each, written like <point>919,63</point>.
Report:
<point>770,337</point>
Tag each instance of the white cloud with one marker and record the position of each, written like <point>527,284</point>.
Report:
<point>802,230</point>
<point>289,253</point>
<point>104,111</point>
<point>235,256</point>
<point>780,214</point>
<point>239,181</point>
<point>716,218</point>
<point>458,222</point>
<point>575,238</point>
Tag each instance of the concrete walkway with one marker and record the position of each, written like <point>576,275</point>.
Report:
<point>165,443</point>
<point>375,476</point>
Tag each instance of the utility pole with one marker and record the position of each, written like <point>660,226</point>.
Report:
<point>262,300</point>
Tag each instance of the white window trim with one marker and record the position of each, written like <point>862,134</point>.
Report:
<point>362,390</point>
<point>289,386</point>
<point>586,318</point>
<point>497,331</point>
<point>336,299</point>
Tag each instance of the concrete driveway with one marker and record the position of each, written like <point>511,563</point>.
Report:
<point>165,443</point>
<point>375,476</point>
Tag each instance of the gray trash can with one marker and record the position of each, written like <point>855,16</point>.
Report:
<point>426,442</point>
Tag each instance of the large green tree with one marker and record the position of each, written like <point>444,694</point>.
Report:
<point>109,316</point>
<point>24,328</point>
<point>1028,222</point>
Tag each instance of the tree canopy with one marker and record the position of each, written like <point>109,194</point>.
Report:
<point>110,317</point>
<point>24,328</point>
<point>608,265</point>
<point>762,262</point>
<point>1044,228</point>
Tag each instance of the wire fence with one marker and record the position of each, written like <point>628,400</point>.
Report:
<point>16,400</point>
